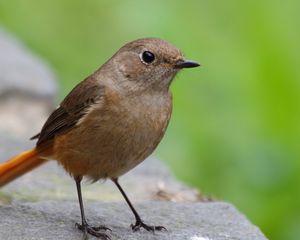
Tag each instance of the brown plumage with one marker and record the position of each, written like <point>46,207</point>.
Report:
<point>111,121</point>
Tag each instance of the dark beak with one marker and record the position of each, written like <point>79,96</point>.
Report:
<point>186,64</point>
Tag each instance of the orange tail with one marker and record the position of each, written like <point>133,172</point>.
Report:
<point>19,165</point>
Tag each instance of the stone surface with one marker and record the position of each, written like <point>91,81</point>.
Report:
<point>22,71</point>
<point>22,116</point>
<point>27,88</point>
<point>191,221</point>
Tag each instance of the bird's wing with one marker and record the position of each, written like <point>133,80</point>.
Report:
<point>71,110</point>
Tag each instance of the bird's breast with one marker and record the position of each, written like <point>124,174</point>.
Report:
<point>115,137</point>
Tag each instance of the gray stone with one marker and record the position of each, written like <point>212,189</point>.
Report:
<point>22,116</point>
<point>27,88</point>
<point>191,221</point>
<point>22,71</point>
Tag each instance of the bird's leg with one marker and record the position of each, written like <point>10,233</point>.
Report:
<point>138,221</point>
<point>84,227</point>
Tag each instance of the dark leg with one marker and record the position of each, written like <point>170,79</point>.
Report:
<point>139,223</point>
<point>84,227</point>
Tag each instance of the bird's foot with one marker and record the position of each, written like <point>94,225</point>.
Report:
<point>140,224</point>
<point>87,229</point>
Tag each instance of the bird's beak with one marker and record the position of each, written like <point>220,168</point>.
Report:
<point>186,64</point>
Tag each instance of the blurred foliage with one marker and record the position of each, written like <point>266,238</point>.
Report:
<point>235,130</point>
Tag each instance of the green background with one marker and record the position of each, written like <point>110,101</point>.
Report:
<point>235,128</point>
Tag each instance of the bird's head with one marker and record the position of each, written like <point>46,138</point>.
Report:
<point>148,63</point>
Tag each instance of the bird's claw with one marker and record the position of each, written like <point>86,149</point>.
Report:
<point>140,224</point>
<point>87,229</point>
<point>101,228</point>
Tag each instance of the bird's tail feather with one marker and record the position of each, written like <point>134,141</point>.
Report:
<point>19,165</point>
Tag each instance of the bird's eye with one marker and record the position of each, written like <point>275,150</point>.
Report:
<point>147,57</point>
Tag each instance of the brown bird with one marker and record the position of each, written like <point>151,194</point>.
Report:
<point>110,122</point>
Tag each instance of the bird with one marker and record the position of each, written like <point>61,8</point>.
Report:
<point>109,123</point>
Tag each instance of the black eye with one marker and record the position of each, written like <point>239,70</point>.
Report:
<point>148,57</point>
